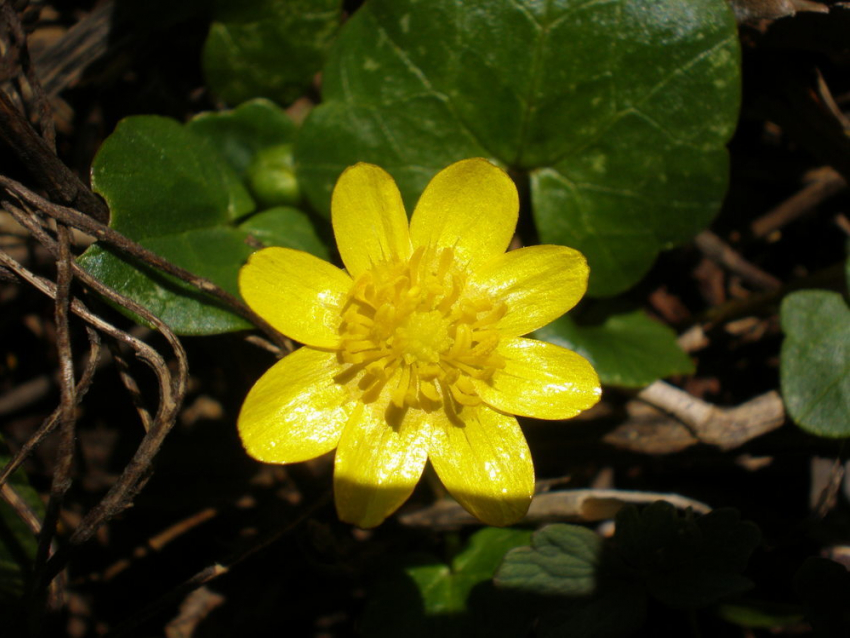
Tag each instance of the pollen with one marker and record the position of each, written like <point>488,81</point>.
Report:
<point>415,330</point>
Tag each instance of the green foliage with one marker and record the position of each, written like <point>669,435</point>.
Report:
<point>284,226</point>
<point>815,361</point>
<point>177,191</point>
<point>562,561</point>
<point>600,589</point>
<point>18,544</point>
<point>268,48</point>
<point>758,615</point>
<point>628,349</point>
<point>425,597</point>
<point>596,101</point>
<point>239,135</point>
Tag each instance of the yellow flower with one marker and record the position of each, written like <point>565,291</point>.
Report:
<point>415,352</point>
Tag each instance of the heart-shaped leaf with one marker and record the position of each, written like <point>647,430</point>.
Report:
<point>628,350</point>
<point>170,189</point>
<point>596,101</point>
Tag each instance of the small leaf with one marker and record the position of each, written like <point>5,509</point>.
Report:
<point>18,544</point>
<point>268,48</point>
<point>628,350</point>
<point>815,361</point>
<point>285,226</point>
<point>240,134</point>
<point>562,561</point>
<point>425,598</point>
<point>686,562</point>
<point>760,615</point>
<point>271,177</point>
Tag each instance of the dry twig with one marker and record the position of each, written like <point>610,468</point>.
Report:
<point>695,421</point>
<point>576,506</point>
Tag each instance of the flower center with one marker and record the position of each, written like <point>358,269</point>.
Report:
<point>415,328</point>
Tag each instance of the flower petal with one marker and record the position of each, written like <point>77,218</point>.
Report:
<point>471,206</point>
<point>378,462</point>
<point>368,218</point>
<point>540,380</point>
<point>538,284</point>
<point>295,411</point>
<point>297,293</point>
<point>485,464</point>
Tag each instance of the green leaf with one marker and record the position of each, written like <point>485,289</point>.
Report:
<point>687,562</point>
<point>268,48</point>
<point>169,190</point>
<point>158,179</point>
<point>815,361</point>
<point>425,597</point>
<point>562,561</point>
<point>214,253</point>
<point>284,226</point>
<point>594,100</point>
<point>240,134</point>
<point>761,615</point>
<point>824,585</point>
<point>596,598</point>
<point>628,350</point>
<point>18,544</point>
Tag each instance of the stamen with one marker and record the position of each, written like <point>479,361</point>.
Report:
<point>416,323</point>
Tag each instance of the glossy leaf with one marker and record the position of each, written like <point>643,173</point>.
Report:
<point>285,226</point>
<point>687,562</point>
<point>593,99</point>
<point>628,350</point>
<point>168,189</point>
<point>214,253</point>
<point>158,179</point>
<point>18,543</point>
<point>815,361</point>
<point>426,597</point>
<point>240,134</point>
<point>268,48</point>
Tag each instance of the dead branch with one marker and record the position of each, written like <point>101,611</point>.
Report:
<point>115,239</point>
<point>50,423</point>
<point>172,388</point>
<point>215,570</point>
<point>717,250</point>
<point>576,506</point>
<point>694,421</point>
<point>825,182</point>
